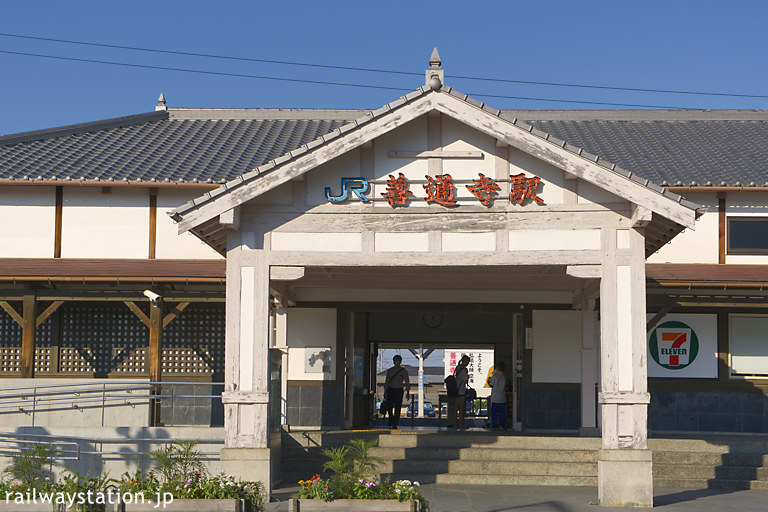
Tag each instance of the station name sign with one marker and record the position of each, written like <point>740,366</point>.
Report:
<point>440,189</point>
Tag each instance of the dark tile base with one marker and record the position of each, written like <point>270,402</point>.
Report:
<point>708,412</point>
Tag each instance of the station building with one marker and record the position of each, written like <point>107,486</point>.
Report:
<point>615,260</point>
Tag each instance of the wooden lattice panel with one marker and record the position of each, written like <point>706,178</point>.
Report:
<point>193,344</point>
<point>10,345</point>
<point>43,341</point>
<point>101,338</point>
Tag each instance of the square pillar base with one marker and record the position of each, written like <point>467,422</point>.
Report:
<point>625,478</point>
<point>250,464</point>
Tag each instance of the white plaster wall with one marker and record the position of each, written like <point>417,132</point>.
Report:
<point>322,242</point>
<point>589,193</point>
<point>468,242</point>
<point>694,246</point>
<point>329,175</point>
<point>556,346</point>
<point>457,136</point>
<point>552,178</point>
<point>554,240</point>
<point>401,242</point>
<point>746,204</point>
<point>410,137</point>
<point>105,225</point>
<point>306,328</point>
<point>29,216</point>
<point>170,244</point>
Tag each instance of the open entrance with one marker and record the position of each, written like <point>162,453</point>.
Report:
<point>430,343</point>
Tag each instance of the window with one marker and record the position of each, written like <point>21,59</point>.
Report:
<point>747,235</point>
<point>749,345</point>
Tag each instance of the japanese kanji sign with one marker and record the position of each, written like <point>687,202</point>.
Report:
<point>441,189</point>
<point>398,190</point>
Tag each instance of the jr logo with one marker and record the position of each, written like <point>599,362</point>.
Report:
<point>674,345</point>
<point>358,186</point>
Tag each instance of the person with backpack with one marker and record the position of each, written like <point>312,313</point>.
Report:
<point>462,380</point>
<point>395,384</point>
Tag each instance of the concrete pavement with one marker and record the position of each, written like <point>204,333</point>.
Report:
<point>501,498</point>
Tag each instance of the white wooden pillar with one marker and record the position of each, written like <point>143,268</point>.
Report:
<point>624,462</point>
<point>246,391</point>
<point>588,367</point>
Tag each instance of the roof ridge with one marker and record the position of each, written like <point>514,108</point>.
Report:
<point>59,131</point>
<point>289,114</point>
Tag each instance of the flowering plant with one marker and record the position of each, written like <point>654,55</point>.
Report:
<point>315,488</point>
<point>367,488</point>
<point>405,490</point>
<point>353,475</point>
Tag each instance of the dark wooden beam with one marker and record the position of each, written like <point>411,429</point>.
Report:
<point>152,224</point>
<point>721,221</point>
<point>58,222</point>
<point>155,342</point>
<point>28,337</point>
<point>42,317</point>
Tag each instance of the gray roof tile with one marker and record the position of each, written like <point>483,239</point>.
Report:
<point>208,145</point>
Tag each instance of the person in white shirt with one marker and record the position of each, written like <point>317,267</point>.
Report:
<point>498,383</point>
<point>395,383</point>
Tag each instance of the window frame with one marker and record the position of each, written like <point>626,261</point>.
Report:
<point>742,376</point>
<point>742,251</point>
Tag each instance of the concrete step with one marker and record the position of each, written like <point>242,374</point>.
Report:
<point>454,479</point>
<point>497,454</point>
<point>487,440</point>
<point>492,468</point>
<point>714,444</point>
<point>683,471</point>
<point>710,459</point>
<point>687,483</point>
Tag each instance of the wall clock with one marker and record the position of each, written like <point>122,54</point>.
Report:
<point>433,320</point>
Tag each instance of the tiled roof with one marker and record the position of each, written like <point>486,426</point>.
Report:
<point>163,147</point>
<point>694,149</point>
<point>669,148</point>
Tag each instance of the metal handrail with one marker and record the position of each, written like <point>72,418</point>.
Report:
<point>28,399</point>
<point>42,401</point>
<point>11,437</point>
<point>132,383</point>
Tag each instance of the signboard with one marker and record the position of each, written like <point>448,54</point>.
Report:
<point>683,345</point>
<point>441,189</point>
<point>480,361</point>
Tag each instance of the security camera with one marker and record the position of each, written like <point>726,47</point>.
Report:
<point>153,297</point>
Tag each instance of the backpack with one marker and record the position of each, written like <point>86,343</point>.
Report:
<point>451,386</point>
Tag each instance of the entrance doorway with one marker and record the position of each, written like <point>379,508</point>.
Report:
<point>426,340</point>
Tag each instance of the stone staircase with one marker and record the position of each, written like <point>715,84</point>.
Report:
<point>717,462</point>
<point>470,457</point>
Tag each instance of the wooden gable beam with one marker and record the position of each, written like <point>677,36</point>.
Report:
<point>295,168</point>
<point>566,160</point>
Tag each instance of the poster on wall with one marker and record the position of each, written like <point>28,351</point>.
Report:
<point>480,361</point>
<point>683,345</point>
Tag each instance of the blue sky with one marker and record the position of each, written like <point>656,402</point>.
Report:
<point>681,45</point>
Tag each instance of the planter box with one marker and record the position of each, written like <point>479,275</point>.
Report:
<point>182,505</point>
<point>296,505</point>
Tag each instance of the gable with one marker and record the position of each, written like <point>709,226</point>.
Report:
<point>459,112</point>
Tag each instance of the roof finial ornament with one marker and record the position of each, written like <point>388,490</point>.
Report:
<point>161,103</point>
<point>435,75</point>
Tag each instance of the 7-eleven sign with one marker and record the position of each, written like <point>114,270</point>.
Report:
<point>674,345</point>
